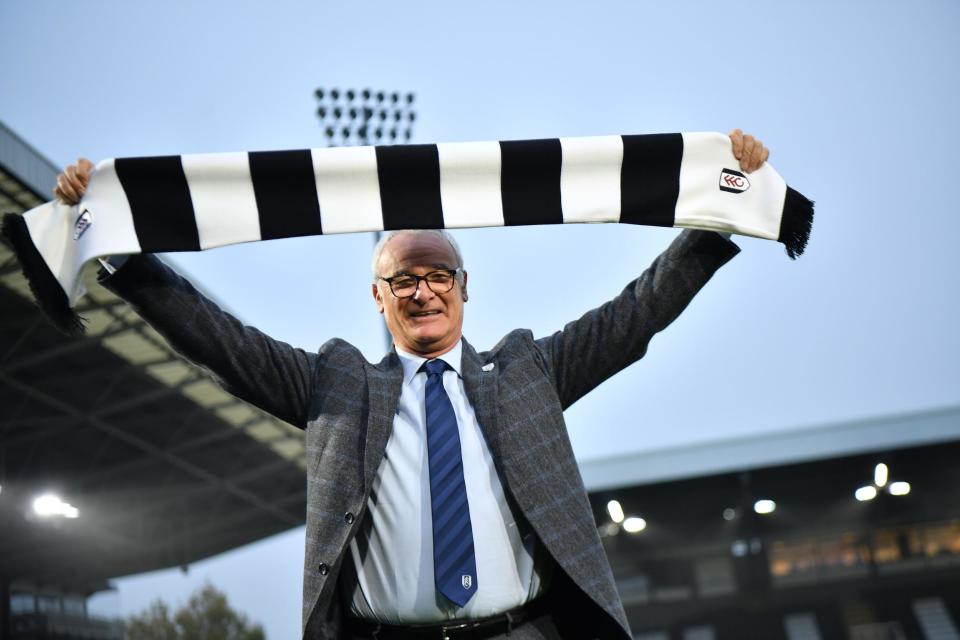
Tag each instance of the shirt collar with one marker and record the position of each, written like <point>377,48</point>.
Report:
<point>412,363</point>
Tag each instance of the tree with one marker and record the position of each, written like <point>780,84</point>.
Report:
<point>207,616</point>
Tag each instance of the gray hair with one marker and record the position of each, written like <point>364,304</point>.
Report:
<point>389,235</point>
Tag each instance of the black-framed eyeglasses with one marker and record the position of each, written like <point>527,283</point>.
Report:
<point>406,285</point>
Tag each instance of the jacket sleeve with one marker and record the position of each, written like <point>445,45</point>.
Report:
<point>249,364</point>
<point>611,337</point>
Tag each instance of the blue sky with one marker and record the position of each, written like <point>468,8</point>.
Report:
<point>858,102</point>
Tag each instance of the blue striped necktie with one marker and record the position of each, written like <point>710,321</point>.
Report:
<point>454,561</point>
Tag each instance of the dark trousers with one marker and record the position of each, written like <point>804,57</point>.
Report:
<point>569,615</point>
<point>539,628</point>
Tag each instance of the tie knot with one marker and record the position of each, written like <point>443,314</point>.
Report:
<point>435,367</point>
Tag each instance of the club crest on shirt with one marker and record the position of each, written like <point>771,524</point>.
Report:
<point>466,580</point>
<point>82,224</point>
<point>733,181</point>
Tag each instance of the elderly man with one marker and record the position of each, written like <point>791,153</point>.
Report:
<point>444,500</point>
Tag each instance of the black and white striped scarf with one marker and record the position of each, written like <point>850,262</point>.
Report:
<point>201,201</point>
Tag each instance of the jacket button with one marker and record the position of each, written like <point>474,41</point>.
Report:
<point>348,518</point>
<point>323,569</point>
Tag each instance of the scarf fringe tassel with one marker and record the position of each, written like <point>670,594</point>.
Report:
<point>46,289</point>
<point>795,223</point>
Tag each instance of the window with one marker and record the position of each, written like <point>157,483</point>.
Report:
<point>942,541</point>
<point>714,577</point>
<point>48,604</point>
<point>801,626</point>
<point>75,606</point>
<point>22,603</point>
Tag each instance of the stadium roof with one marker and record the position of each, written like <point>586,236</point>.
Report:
<point>773,449</point>
<point>163,466</point>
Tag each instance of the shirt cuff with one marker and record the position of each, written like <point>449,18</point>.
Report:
<point>110,264</point>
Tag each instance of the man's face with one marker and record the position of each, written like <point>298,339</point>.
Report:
<point>428,324</point>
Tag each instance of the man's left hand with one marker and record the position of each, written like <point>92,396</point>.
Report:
<point>748,150</point>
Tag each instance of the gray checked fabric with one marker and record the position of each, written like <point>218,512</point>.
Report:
<point>347,404</point>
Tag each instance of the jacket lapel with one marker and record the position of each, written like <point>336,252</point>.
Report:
<point>384,381</point>
<point>480,382</point>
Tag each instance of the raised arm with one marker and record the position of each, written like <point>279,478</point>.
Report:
<point>249,364</point>
<point>607,339</point>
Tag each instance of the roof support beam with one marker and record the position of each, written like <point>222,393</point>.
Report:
<point>26,333</point>
<point>149,448</point>
<point>157,394</point>
<point>74,345</point>
<point>180,448</point>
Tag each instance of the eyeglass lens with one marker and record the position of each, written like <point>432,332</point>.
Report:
<point>406,286</point>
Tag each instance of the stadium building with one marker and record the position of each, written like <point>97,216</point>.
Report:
<point>847,531</point>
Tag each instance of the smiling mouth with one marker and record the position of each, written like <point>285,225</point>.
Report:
<point>424,314</point>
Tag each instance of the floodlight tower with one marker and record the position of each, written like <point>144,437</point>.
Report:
<point>357,118</point>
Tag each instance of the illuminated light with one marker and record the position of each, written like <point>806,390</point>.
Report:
<point>729,514</point>
<point>739,548</point>
<point>899,488</point>
<point>615,511</point>
<point>880,475</point>
<point>865,493</point>
<point>764,507</point>
<point>634,525</point>
<point>49,505</point>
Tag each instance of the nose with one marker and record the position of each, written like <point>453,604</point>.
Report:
<point>423,288</point>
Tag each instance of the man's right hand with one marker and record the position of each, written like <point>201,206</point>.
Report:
<point>72,183</point>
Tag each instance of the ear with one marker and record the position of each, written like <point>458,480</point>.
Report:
<point>463,287</point>
<point>377,297</point>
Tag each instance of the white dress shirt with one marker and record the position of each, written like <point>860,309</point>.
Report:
<point>389,573</point>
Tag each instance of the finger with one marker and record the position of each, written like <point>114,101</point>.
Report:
<point>74,181</point>
<point>748,145</point>
<point>766,155</point>
<point>84,170</point>
<point>755,157</point>
<point>77,179</point>
<point>67,193</point>
<point>71,187</point>
<point>736,137</point>
<point>749,156</point>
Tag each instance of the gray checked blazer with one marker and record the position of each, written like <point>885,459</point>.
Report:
<point>347,406</point>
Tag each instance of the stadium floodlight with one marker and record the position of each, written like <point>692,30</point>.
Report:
<point>615,511</point>
<point>50,505</point>
<point>634,525</point>
<point>353,121</point>
<point>763,507</point>
<point>880,475</point>
<point>863,494</point>
<point>899,488</point>
<point>353,117</point>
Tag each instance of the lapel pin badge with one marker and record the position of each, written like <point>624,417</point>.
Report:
<point>487,367</point>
